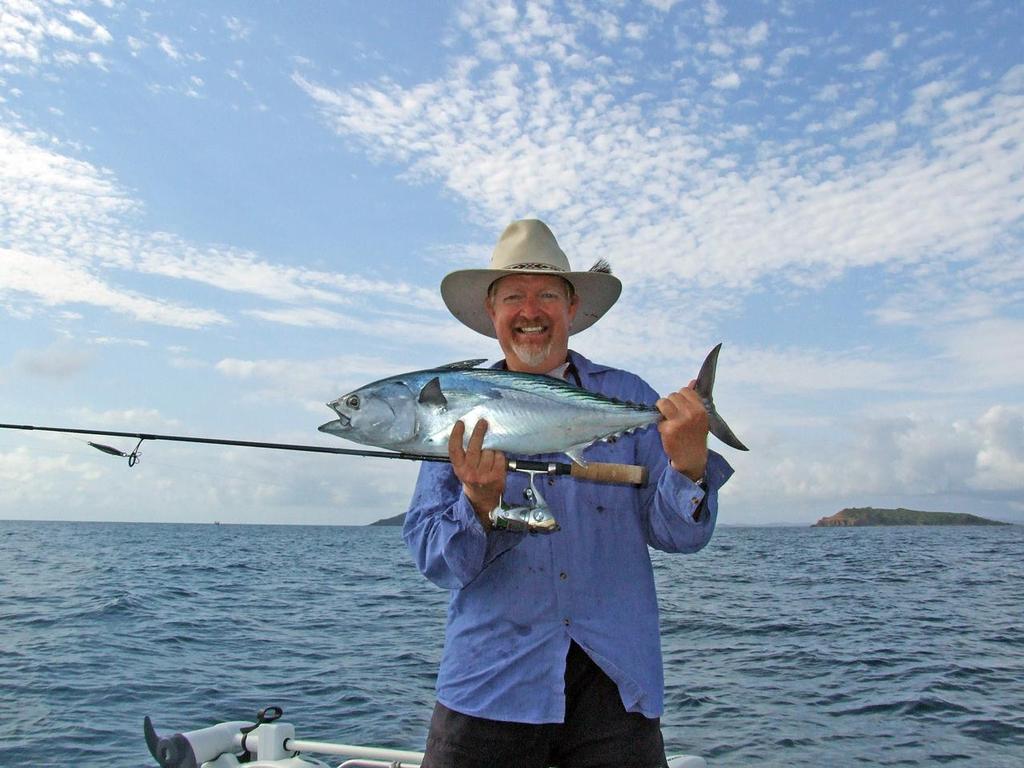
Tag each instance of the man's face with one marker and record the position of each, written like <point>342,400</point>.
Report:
<point>531,316</point>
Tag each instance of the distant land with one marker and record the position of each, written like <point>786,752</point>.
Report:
<point>398,519</point>
<point>860,516</point>
<point>854,516</point>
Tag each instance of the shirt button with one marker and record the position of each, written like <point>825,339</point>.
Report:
<point>563,575</point>
<point>566,622</point>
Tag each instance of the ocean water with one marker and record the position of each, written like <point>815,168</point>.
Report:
<point>783,646</point>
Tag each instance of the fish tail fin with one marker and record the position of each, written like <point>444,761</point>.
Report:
<point>705,385</point>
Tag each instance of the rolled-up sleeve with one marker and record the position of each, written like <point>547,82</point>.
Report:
<point>671,523</point>
<point>670,499</point>
<point>447,541</point>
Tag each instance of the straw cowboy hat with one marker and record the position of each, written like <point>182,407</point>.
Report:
<point>528,247</point>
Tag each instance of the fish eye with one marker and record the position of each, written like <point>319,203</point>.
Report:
<point>353,401</point>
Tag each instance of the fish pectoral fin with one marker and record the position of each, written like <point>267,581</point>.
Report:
<point>576,454</point>
<point>432,395</point>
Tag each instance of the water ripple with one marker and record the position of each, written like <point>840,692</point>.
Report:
<point>789,647</point>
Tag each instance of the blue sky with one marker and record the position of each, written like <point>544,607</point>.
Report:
<point>215,219</point>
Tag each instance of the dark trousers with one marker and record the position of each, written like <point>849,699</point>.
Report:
<point>598,732</point>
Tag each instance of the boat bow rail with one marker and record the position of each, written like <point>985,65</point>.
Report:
<point>270,743</point>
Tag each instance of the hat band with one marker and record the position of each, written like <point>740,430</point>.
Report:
<point>535,265</point>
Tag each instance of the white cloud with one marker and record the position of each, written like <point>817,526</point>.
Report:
<point>727,80</point>
<point>307,383</point>
<point>874,60</point>
<point>58,361</point>
<point>238,29</point>
<point>714,14</point>
<point>874,135</point>
<point>124,419</point>
<point>607,25</point>
<point>819,173</point>
<point>797,371</point>
<point>613,184</point>
<point>97,31</point>
<point>978,460</point>
<point>635,31</point>
<point>830,92</point>
<point>717,210</point>
<point>165,44</point>
<point>67,59</point>
<point>758,33</point>
<point>115,340</point>
<point>70,226</point>
<point>963,102</point>
<point>785,57</point>
<point>983,351</point>
<point>924,98</point>
<point>55,281</point>
<point>719,49</point>
<point>999,464</point>
<point>306,317</point>
<point>751,63</point>
<point>30,28</point>
<point>26,476</point>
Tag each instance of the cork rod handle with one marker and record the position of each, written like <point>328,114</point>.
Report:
<point>627,474</point>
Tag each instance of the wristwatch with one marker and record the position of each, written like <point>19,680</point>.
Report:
<point>698,512</point>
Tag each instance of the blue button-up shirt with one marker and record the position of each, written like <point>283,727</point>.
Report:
<point>518,599</point>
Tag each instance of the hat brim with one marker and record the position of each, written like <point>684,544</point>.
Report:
<point>465,290</point>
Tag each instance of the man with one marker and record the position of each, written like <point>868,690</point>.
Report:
<point>552,654</point>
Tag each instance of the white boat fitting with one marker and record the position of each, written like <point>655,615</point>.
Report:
<point>270,743</point>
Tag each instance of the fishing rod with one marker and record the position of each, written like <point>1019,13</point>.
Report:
<point>598,472</point>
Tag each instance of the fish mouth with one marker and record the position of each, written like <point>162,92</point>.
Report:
<point>337,427</point>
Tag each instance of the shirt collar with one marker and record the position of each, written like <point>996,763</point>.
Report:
<point>584,367</point>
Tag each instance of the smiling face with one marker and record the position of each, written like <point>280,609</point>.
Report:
<point>531,315</point>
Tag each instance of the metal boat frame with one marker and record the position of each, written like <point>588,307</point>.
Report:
<point>271,743</point>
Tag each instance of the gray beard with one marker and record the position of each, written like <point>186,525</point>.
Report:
<point>531,355</point>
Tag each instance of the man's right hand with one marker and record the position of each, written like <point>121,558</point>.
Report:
<point>482,472</point>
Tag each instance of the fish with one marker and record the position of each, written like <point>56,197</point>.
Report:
<point>526,413</point>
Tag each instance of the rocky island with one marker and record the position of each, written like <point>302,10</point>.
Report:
<point>396,520</point>
<point>860,516</point>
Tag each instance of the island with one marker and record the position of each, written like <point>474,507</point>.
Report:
<point>861,516</point>
<point>398,519</point>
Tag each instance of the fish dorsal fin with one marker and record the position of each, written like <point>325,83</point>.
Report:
<point>461,364</point>
<point>431,394</point>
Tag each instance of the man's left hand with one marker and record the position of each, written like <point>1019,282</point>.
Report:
<point>684,432</point>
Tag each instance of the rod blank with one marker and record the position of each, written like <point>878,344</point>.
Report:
<point>597,472</point>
